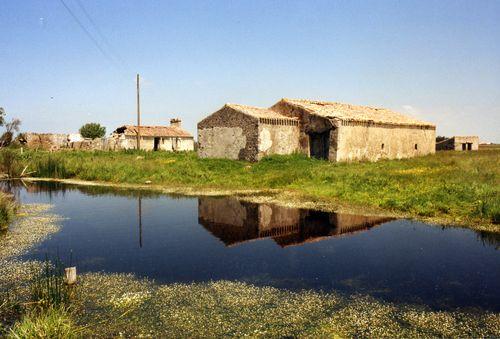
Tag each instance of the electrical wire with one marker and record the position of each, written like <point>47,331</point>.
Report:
<point>91,37</point>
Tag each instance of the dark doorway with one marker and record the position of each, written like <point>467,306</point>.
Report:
<point>156,144</point>
<point>464,147</point>
<point>469,146</point>
<point>319,145</point>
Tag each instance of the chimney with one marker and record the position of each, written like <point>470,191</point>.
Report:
<point>175,122</point>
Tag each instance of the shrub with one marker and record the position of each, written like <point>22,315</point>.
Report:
<point>92,130</point>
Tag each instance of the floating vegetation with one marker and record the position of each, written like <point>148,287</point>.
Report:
<point>35,226</point>
<point>119,304</point>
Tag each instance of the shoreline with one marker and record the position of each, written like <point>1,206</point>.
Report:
<point>281,197</point>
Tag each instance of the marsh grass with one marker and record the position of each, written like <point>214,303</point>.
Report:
<point>54,322</point>
<point>46,314</point>
<point>48,288</point>
<point>9,162</point>
<point>8,209</point>
<point>460,187</point>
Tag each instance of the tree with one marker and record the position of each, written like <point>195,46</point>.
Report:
<point>92,130</point>
<point>2,116</point>
<point>8,135</point>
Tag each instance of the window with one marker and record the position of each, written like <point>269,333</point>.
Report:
<point>416,146</point>
<point>382,147</point>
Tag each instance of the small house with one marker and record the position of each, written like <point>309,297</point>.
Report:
<point>153,138</point>
<point>459,143</point>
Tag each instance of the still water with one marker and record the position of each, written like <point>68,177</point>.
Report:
<point>187,239</point>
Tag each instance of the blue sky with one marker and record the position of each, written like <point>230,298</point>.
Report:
<point>435,60</point>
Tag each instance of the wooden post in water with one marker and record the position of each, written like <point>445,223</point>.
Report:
<point>70,275</point>
<point>138,116</point>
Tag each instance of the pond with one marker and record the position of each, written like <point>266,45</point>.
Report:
<point>197,239</point>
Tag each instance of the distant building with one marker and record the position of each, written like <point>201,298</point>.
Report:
<point>153,138</point>
<point>459,143</point>
<point>324,130</point>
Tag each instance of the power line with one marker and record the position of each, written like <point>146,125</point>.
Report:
<point>98,30</point>
<point>96,43</point>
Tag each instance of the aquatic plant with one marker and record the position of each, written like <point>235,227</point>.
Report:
<point>48,288</point>
<point>122,305</point>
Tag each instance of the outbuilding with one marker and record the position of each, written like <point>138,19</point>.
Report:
<point>459,143</point>
<point>153,138</point>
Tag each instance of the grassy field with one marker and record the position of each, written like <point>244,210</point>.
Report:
<point>449,187</point>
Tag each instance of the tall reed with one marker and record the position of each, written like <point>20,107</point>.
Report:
<point>48,288</point>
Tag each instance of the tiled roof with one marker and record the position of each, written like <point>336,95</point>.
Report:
<point>154,131</point>
<point>259,112</point>
<point>350,112</point>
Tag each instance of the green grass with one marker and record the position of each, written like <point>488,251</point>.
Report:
<point>8,208</point>
<point>54,322</point>
<point>456,187</point>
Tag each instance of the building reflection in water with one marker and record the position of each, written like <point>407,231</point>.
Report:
<point>234,221</point>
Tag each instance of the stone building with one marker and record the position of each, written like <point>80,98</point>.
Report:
<point>153,138</point>
<point>245,132</point>
<point>324,130</point>
<point>459,143</point>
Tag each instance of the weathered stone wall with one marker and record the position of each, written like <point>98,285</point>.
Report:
<point>278,139</point>
<point>309,123</point>
<point>364,142</point>
<point>46,141</point>
<point>228,134</point>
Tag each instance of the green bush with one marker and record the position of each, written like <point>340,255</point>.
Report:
<point>92,130</point>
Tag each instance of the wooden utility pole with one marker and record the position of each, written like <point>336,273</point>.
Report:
<point>138,116</point>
